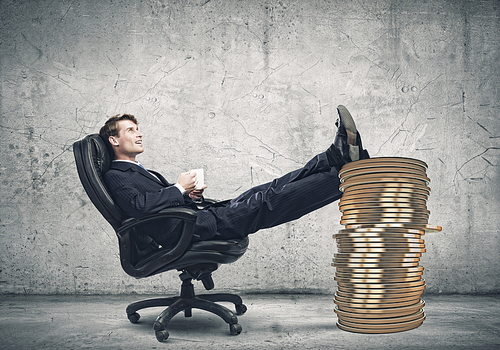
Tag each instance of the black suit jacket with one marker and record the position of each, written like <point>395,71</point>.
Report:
<point>138,193</point>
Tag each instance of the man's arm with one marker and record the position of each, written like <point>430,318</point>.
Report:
<point>138,198</point>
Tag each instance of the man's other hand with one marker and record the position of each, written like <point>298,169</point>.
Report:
<point>197,194</point>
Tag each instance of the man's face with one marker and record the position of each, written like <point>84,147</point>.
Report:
<point>128,144</point>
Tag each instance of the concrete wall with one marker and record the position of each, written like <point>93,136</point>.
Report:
<point>247,90</point>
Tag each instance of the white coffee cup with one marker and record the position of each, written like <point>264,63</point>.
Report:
<point>200,178</point>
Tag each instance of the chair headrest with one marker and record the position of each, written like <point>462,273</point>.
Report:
<point>93,160</point>
<point>101,155</point>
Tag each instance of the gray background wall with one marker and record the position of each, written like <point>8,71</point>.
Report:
<point>247,90</point>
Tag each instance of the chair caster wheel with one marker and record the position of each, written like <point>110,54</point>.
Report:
<point>134,318</point>
<point>235,329</point>
<point>241,309</point>
<point>162,335</point>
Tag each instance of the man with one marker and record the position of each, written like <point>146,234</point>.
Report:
<point>139,192</point>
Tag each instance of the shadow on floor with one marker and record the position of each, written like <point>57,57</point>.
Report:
<point>271,322</point>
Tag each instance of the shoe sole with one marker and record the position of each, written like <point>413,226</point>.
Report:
<point>347,119</point>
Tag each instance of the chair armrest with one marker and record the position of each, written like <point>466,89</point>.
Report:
<point>162,257</point>
<point>205,203</point>
<point>209,201</point>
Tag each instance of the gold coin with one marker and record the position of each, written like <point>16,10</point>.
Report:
<point>379,239</point>
<point>375,265</point>
<point>386,183</point>
<point>381,285</point>
<point>347,317</point>
<point>380,270</point>
<point>351,216</point>
<point>371,317</point>
<point>382,202</point>
<point>388,245</point>
<point>385,221</point>
<point>377,160</point>
<point>381,161</point>
<point>382,170</point>
<point>382,189</point>
<point>374,260</point>
<point>386,292</point>
<point>351,193</point>
<point>393,272</point>
<point>426,228</point>
<point>376,301</point>
<point>391,200</point>
<point>386,210</point>
<point>360,171</point>
<point>385,216</point>
<point>373,194</point>
<point>363,206</point>
<point>385,203</point>
<point>343,207</point>
<point>380,181</point>
<point>380,329</point>
<point>381,250</point>
<point>362,305</point>
<point>380,230</point>
<point>389,312</point>
<point>387,254</point>
<point>387,296</point>
<point>372,235</point>
<point>375,211</point>
<point>396,311</point>
<point>377,280</point>
<point>394,171</point>
<point>398,177</point>
<point>377,220</point>
<point>378,275</point>
<point>376,255</point>
<point>375,292</point>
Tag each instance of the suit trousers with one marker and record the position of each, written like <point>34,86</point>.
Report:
<point>284,199</point>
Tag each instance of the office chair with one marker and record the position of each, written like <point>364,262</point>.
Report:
<point>142,257</point>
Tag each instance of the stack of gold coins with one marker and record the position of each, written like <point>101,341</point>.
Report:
<point>378,272</point>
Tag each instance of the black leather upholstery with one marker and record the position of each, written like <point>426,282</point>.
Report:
<point>141,257</point>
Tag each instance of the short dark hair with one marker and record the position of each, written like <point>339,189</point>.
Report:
<point>110,128</point>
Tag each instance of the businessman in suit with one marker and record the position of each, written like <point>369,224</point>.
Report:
<point>139,192</point>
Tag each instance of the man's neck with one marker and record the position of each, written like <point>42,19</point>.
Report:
<point>127,159</point>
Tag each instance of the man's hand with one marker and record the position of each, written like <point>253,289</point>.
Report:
<point>196,194</point>
<point>187,181</point>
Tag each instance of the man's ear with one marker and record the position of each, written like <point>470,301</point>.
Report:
<point>113,141</point>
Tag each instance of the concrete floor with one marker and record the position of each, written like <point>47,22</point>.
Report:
<point>271,322</point>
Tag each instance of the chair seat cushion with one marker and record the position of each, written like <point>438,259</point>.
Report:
<point>230,247</point>
<point>205,252</point>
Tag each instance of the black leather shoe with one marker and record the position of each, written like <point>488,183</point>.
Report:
<point>340,151</point>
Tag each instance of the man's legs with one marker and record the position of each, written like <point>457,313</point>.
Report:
<point>294,194</point>
<point>284,199</point>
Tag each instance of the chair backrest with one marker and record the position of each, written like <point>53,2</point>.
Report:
<point>93,159</point>
<point>140,256</point>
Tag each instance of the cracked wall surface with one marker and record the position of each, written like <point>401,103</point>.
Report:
<point>248,91</point>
